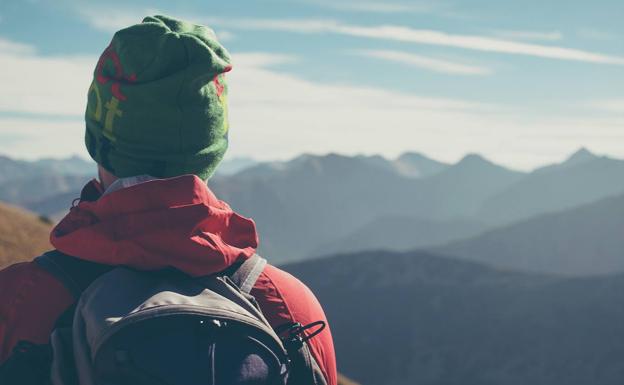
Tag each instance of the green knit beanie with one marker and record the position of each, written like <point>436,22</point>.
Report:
<point>158,101</point>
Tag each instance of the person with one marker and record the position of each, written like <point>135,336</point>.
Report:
<point>157,127</point>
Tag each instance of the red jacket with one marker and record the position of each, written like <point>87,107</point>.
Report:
<point>176,222</point>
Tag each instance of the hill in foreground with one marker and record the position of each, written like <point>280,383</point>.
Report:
<point>23,235</point>
<point>416,318</point>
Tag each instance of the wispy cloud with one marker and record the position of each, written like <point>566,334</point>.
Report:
<point>314,117</point>
<point>115,19</point>
<point>225,35</point>
<point>530,35</point>
<point>439,8</point>
<point>428,63</point>
<point>379,6</point>
<point>420,36</point>
<point>54,85</point>
<point>615,106</point>
<point>307,116</point>
<point>8,47</point>
<point>596,34</point>
<point>118,20</point>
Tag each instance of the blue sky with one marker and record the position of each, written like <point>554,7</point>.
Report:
<point>521,82</point>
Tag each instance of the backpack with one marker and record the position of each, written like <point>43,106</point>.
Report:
<point>131,327</point>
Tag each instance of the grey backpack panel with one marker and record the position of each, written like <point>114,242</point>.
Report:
<point>123,297</point>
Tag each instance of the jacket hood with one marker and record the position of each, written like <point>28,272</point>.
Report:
<point>176,222</point>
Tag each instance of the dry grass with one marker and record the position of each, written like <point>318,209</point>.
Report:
<point>23,235</point>
<point>342,380</point>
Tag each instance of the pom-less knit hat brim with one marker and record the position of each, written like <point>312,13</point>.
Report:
<point>158,101</point>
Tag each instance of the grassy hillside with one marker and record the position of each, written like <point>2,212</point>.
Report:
<point>23,235</point>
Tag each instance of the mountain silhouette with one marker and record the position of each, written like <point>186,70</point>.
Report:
<point>235,165</point>
<point>416,165</point>
<point>308,202</point>
<point>12,169</point>
<point>314,204</point>
<point>459,190</point>
<point>582,179</point>
<point>580,241</point>
<point>30,191</point>
<point>401,234</point>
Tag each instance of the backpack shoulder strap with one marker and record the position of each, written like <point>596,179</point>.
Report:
<point>246,275</point>
<point>74,273</point>
<point>77,274</point>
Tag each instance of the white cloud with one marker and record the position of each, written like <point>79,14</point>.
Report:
<point>438,8</point>
<point>33,138</point>
<point>275,115</point>
<point>115,19</point>
<point>530,35</point>
<point>420,36</point>
<point>55,85</point>
<point>428,63</point>
<point>8,47</point>
<point>615,106</point>
<point>380,7</point>
<point>120,19</point>
<point>225,35</point>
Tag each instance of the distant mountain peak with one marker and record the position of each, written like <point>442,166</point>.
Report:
<point>413,156</point>
<point>476,166</point>
<point>581,155</point>
<point>474,158</point>
<point>418,165</point>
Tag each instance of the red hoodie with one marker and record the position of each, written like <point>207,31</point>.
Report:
<point>176,222</point>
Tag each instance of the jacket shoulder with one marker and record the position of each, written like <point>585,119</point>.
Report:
<point>31,300</point>
<point>284,298</point>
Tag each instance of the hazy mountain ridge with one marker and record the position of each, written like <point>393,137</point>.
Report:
<point>417,165</point>
<point>308,198</point>
<point>459,190</point>
<point>314,200</point>
<point>342,203</point>
<point>29,183</point>
<point>403,233</point>
<point>11,169</point>
<point>584,240</point>
<point>582,155</point>
<point>436,320</point>
<point>28,191</point>
<point>583,179</point>
<point>235,165</point>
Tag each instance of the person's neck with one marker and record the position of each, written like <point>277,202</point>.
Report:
<point>121,183</point>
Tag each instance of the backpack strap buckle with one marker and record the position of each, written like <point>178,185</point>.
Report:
<point>295,336</point>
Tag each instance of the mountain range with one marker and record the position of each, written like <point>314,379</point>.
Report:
<point>314,200</point>
<point>317,205</point>
<point>583,178</point>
